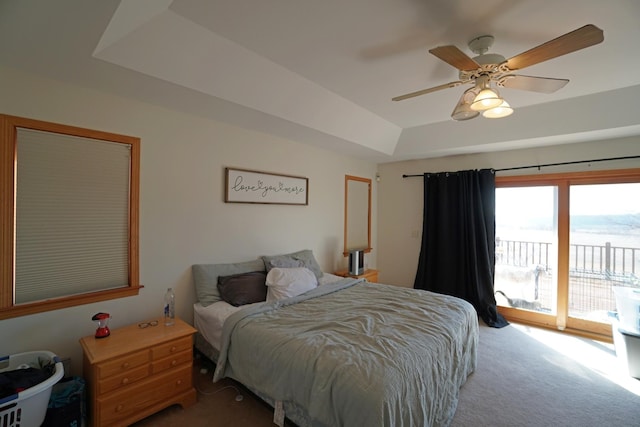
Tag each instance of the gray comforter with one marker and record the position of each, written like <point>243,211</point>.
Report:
<point>356,354</point>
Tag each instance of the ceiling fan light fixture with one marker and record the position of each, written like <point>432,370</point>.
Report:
<point>463,109</point>
<point>491,67</point>
<point>463,112</point>
<point>486,99</point>
<point>503,110</point>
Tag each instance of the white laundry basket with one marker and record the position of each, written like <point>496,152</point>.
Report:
<point>628,305</point>
<point>29,407</point>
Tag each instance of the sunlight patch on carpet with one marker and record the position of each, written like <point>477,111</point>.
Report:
<point>599,357</point>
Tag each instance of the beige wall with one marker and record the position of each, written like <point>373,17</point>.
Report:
<point>185,221</point>
<point>401,199</point>
<point>183,218</point>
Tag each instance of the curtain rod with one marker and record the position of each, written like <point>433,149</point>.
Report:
<point>549,164</point>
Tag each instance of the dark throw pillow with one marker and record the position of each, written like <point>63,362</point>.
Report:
<point>245,288</point>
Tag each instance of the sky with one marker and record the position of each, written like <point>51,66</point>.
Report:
<point>605,199</point>
<point>536,202</point>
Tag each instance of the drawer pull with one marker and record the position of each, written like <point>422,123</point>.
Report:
<point>125,381</point>
<point>119,408</point>
<point>173,349</point>
<point>178,382</point>
<point>125,365</point>
<point>174,362</point>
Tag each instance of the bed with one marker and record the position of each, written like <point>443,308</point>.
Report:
<point>332,351</point>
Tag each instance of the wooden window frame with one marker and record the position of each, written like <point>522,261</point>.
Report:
<point>563,181</point>
<point>8,161</point>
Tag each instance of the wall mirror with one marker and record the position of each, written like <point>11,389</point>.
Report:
<point>357,214</point>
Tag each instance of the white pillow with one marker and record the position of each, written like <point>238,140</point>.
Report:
<point>289,282</point>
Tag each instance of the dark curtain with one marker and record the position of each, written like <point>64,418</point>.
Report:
<point>458,239</point>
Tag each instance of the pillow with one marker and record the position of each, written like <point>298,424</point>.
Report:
<point>205,278</point>
<point>289,282</point>
<point>306,256</point>
<point>284,263</point>
<point>245,288</point>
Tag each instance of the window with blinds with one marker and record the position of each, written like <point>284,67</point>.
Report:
<point>70,226</point>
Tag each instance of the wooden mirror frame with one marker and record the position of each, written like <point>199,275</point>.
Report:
<point>349,179</point>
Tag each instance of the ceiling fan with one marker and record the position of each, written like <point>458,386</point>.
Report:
<point>489,69</point>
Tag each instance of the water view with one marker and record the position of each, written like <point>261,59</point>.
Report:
<point>604,247</point>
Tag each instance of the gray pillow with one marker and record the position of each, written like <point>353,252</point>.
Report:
<point>284,263</point>
<point>245,288</point>
<point>205,277</point>
<point>306,256</point>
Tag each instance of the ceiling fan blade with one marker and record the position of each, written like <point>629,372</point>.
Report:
<point>534,84</point>
<point>455,57</point>
<point>581,38</point>
<point>425,91</point>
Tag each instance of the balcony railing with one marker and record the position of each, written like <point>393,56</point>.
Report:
<point>604,259</point>
<point>593,271</point>
<point>523,254</point>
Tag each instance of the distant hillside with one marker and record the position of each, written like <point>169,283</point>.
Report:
<point>598,223</point>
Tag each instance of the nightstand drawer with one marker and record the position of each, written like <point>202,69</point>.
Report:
<point>123,379</point>
<point>121,406</point>
<point>172,347</point>
<point>122,364</point>
<point>171,362</point>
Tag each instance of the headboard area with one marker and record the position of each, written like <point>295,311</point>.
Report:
<point>205,276</point>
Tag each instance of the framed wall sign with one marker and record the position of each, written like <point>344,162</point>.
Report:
<point>247,186</point>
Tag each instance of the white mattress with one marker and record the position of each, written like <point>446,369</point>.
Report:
<point>209,320</point>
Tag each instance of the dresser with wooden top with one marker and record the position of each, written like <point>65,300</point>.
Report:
<point>137,371</point>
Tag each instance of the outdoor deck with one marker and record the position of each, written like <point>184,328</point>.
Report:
<point>524,270</point>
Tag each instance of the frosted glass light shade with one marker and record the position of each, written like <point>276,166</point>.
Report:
<point>486,100</point>
<point>503,110</point>
<point>463,109</point>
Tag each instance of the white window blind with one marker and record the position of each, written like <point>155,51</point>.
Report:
<point>72,215</point>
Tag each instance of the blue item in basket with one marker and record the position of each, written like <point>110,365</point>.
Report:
<point>66,404</point>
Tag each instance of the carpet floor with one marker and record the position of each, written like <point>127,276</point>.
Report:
<point>525,377</point>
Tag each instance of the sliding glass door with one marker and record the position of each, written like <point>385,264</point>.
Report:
<point>604,248</point>
<point>526,248</point>
<point>563,242</point>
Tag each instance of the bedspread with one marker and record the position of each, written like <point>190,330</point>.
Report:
<point>356,354</point>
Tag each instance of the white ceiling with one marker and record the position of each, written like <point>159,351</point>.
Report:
<point>324,72</point>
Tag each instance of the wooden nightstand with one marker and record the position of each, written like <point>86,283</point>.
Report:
<point>369,274</point>
<point>136,371</point>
